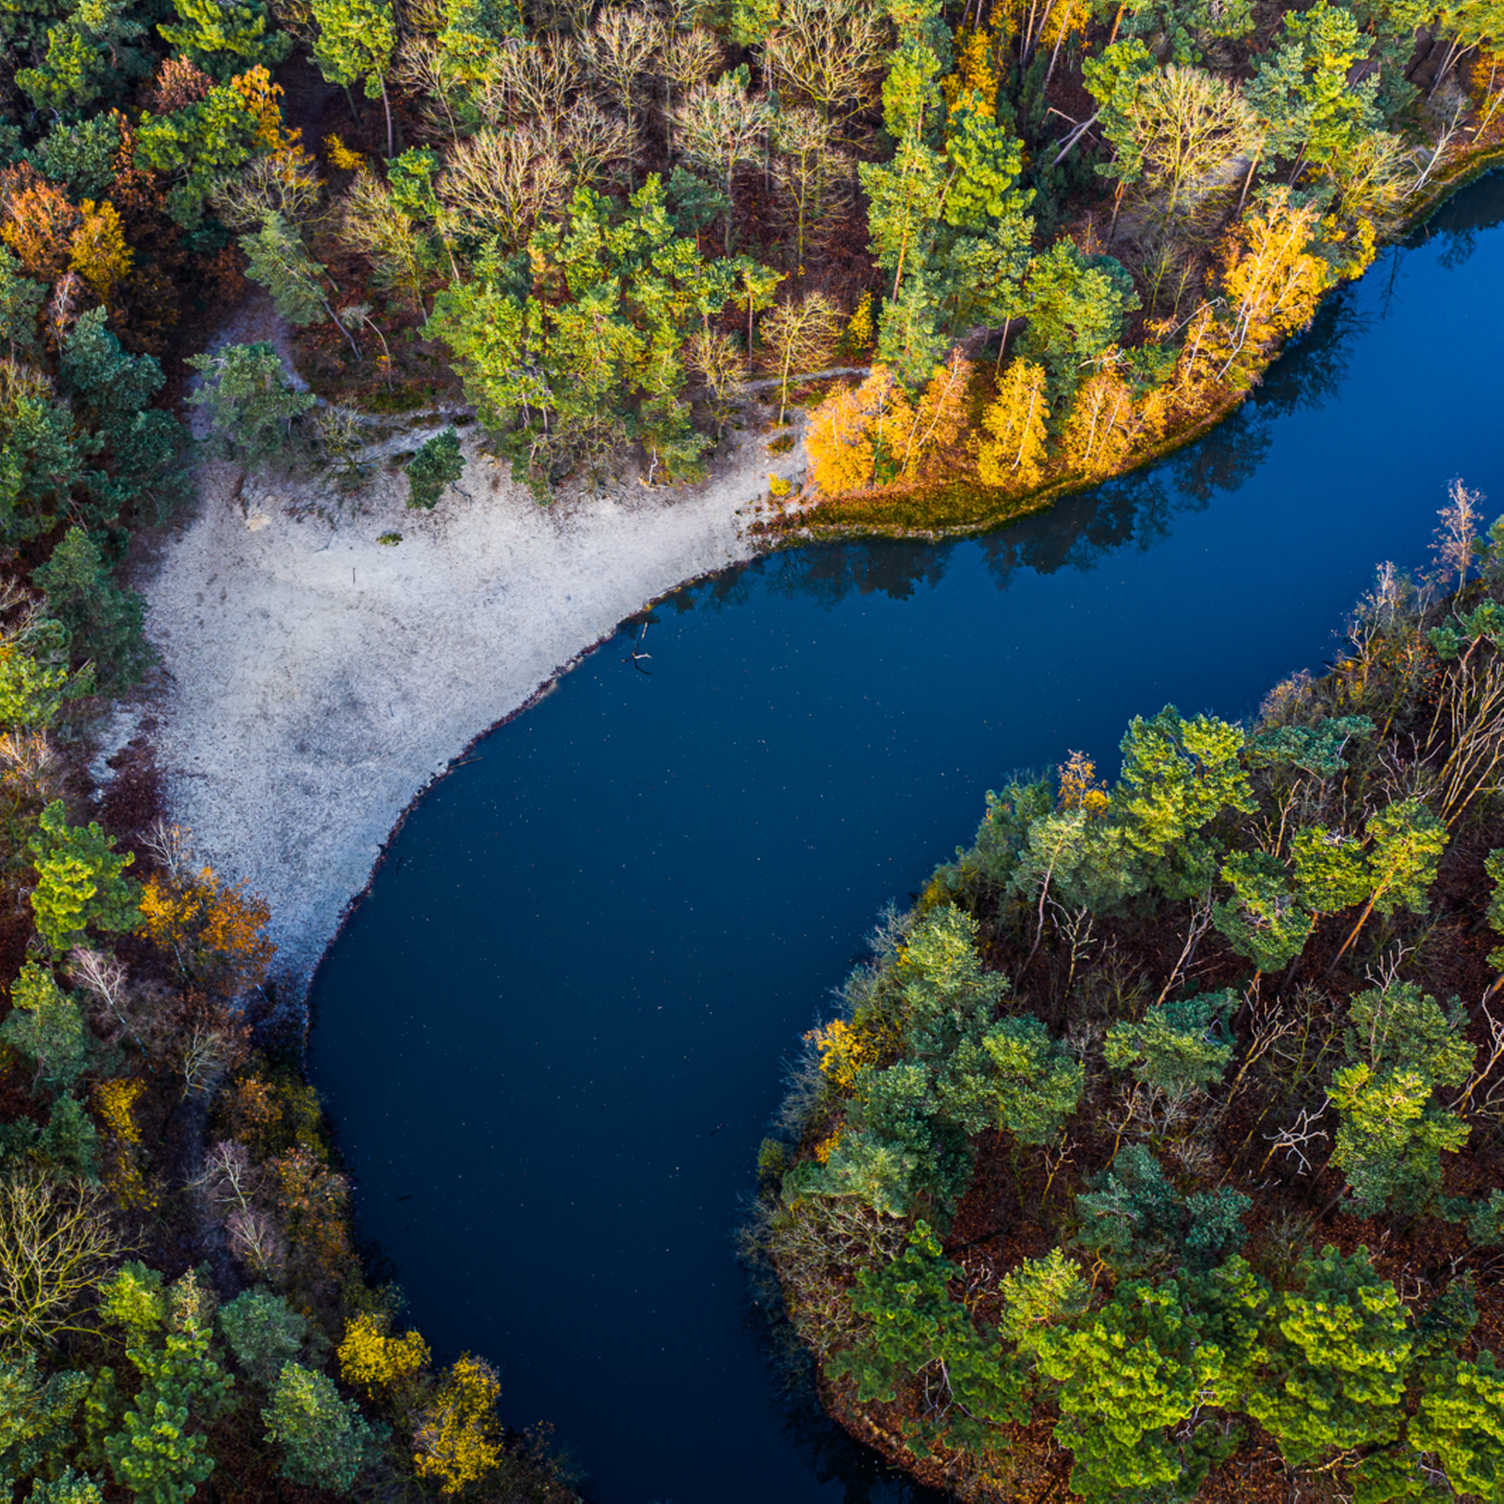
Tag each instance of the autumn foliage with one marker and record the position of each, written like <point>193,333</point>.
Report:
<point>458,1437</point>
<point>216,933</point>
<point>875,435</point>
<point>37,222</point>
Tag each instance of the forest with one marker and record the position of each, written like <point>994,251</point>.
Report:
<point>1016,244</point>
<point>1155,1154</point>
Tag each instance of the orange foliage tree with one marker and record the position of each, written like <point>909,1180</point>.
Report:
<point>217,933</point>
<point>939,417</point>
<point>313,1205</point>
<point>839,442</point>
<point>177,85</point>
<point>876,435</point>
<point>37,222</point>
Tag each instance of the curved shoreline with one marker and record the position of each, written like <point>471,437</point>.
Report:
<point>302,808</point>
<point>313,683</point>
<point>814,524</point>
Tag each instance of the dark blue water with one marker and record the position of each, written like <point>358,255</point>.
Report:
<point>552,1035</point>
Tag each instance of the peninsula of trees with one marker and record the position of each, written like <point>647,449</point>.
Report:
<point>1157,1153</point>
<point>1046,236</point>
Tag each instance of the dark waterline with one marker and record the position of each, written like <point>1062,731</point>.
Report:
<point>552,1034</point>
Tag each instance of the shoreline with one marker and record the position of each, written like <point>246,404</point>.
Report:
<point>313,683</point>
<point>809,526</point>
<point>304,817</point>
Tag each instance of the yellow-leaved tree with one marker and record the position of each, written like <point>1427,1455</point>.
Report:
<point>376,1361</point>
<point>841,439</point>
<point>1271,283</point>
<point>1017,426</point>
<point>98,252</point>
<point>457,1440</point>
<point>1099,432</point>
<point>938,419</point>
<point>875,434</point>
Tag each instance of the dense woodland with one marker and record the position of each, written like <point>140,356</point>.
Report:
<point>1157,1153</point>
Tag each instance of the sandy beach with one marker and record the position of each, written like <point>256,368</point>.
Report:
<point>313,680</point>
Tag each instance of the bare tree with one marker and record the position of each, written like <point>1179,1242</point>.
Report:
<point>803,140</point>
<point>229,1178</point>
<point>830,54</point>
<point>287,185</point>
<point>257,1241</point>
<point>723,127</point>
<point>56,1244</point>
<point>30,763</point>
<point>535,81</point>
<point>499,181</point>
<point>1458,532</point>
<point>211,1048</point>
<point>801,335</point>
<point>1188,123</point>
<point>690,58</point>
<point>428,74</point>
<point>368,222</point>
<point>105,980</point>
<point>592,139</point>
<point>171,846</point>
<point>620,50</point>
<point>718,360</point>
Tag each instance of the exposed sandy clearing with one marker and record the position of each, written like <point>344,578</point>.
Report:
<point>314,680</point>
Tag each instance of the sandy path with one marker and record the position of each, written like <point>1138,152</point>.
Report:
<point>314,680</point>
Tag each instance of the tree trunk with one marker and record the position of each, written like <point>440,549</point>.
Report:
<point>1049,72</point>
<point>1253,167</point>
<point>386,104</point>
<point>730,172</point>
<point>1117,203</point>
<point>1441,72</point>
<point>1362,920</point>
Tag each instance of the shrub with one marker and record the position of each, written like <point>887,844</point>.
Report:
<point>436,466</point>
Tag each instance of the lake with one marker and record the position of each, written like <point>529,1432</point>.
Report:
<point>552,1035</point>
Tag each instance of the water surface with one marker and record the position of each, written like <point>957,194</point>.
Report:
<point>552,1035</point>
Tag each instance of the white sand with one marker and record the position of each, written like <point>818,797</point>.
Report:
<point>313,680</point>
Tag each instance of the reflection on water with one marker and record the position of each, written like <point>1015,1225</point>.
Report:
<point>1080,530</point>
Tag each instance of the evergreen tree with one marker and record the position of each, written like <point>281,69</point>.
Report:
<point>1076,308</point>
<point>325,1440</point>
<point>47,1027</point>
<point>224,37</point>
<point>434,468</point>
<point>104,622</point>
<point>355,42</point>
<point>251,403</point>
<point>79,881</point>
<point>1127,1376</point>
<point>1339,1354</point>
